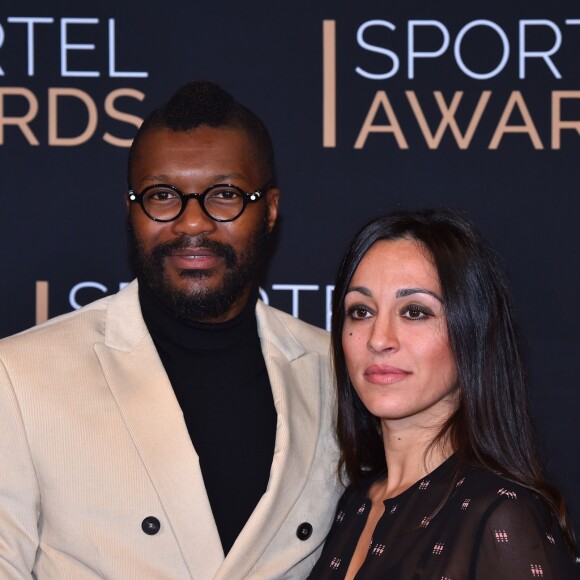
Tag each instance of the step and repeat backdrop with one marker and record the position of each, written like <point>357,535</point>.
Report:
<point>372,106</point>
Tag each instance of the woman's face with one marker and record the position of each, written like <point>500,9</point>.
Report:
<point>395,336</point>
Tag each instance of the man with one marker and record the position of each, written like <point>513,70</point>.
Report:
<point>181,428</point>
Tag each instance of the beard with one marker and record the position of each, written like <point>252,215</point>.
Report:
<point>203,304</point>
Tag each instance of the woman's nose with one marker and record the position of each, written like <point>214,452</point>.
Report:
<point>383,336</point>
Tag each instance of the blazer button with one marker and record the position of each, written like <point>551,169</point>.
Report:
<point>304,531</point>
<point>150,525</point>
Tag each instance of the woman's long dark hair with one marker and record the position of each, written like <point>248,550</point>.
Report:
<point>490,427</point>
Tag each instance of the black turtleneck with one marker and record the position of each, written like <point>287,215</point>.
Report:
<point>220,380</point>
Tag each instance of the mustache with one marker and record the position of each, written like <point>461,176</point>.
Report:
<point>184,242</point>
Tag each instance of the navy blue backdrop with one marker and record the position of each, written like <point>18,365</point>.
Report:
<point>371,105</point>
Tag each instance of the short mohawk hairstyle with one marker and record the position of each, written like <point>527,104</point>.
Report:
<point>201,103</point>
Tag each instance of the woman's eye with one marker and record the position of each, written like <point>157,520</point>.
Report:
<point>416,312</point>
<point>358,312</point>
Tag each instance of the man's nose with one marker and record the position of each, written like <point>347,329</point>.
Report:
<point>193,220</point>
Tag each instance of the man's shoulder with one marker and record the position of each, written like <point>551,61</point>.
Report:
<point>86,323</point>
<point>309,336</point>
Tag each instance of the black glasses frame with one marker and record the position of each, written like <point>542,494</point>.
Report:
<point>246,197</point>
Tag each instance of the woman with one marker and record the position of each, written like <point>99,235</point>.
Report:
<point>432,418</point>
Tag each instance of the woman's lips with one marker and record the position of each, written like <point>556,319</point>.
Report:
<point>385,374</point>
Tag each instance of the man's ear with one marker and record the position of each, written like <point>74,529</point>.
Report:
<point>272,198</point>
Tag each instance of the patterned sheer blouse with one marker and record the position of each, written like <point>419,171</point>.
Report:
<point>490,529</point>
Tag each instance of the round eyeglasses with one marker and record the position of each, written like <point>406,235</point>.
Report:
<point>222,202</point>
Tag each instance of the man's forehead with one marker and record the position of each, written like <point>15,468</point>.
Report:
<point>219,153</point>
<point>200,132</point>
<point>234,140</point>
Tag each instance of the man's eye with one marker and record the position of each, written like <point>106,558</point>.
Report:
<point>224,194</point>
<point>416,312</point>
<point>160,195</point>
<point>358,312</point>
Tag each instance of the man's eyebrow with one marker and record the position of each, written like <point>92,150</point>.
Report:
<point>226,176</point>
<point>156,178</point>
<point>410,291</point>
<point>217,178</point>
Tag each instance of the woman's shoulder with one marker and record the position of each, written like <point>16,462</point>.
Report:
<point>510,523</point>
<point>486,480</point>
<point>502,507</point>
<point>491,491</point>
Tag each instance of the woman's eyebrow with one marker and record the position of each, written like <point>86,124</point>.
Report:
<point>409,291</point>
<point>362,289</point>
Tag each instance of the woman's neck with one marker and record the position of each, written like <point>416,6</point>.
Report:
<point>410,455</point>
<point>410,451</point>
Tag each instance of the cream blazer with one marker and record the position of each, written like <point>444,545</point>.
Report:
<point>93,441</point>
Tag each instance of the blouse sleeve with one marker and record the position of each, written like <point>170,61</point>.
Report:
<point>519,540</point>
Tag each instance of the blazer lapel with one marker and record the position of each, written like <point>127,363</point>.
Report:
<point>295,379</point>
<point>155,422</point>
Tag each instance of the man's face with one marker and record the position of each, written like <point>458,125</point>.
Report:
<point>199,268</point>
